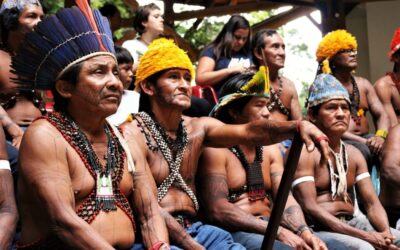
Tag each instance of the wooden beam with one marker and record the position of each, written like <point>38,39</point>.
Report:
<point>333,15</point>
<point>313,21</point>
<point>224,10</point>
<point>277,21</point>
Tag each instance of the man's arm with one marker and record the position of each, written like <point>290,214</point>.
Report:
<point>11,127</point>
<point>44,165</point>
<point>306,194</point>
<point>262,132</point>
<point>153,228</point>
<point>384,93</point>
<point>293,217</point>
<point>295,109</point>
<point>390,166</point>
<point>207,75</point>
<point>8,208</point>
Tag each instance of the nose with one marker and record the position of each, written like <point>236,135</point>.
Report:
<point>114,83</point>
<point>265,112</point>
<point>339,112</point>
<point>184,85</point>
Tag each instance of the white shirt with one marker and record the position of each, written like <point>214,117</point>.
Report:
<point>129,104</point>
<point>136,47</point>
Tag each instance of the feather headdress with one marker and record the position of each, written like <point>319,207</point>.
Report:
<point>60,41</point>
<point>331,44</point>
<point>395,44</point>
<point>258,85</point>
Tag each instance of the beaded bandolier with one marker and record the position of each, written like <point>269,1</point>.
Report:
<point>172,150</point>
<point>106,196</point>
<point>275,101</point>
<point>254,176</point>
<point>356,112</point>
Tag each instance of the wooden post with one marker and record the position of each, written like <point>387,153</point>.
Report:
<point>283,192</point>
<point>333,15</point>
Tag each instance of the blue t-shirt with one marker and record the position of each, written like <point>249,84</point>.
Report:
<point>237,58</point>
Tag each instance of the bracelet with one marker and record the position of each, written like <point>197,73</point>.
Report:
<point>303,228</point>
<point>322,138</point>
<point>381,133</point>
<point>298,126</point>
<point>159,245</point>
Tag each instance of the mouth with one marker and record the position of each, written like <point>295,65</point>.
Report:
<point>113,97</point>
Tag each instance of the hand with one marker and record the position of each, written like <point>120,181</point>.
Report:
<point>375,144</point>
<point>313,241</point>
<point>238,69</point>
<point>16,133</point>
<point>381,240</point>
<point>311,136</point>
<point>289,238</point>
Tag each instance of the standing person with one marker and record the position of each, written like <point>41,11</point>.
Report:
<point>337,54</point>
<point>228,54</point>
<point>238,185</point>
<point>388,87</point>
<point>172,143</point>
<point>130,98</point>
<point>284,103</point>
<point>326,189</point>
<point>79,184</point>
<point>149,23</point>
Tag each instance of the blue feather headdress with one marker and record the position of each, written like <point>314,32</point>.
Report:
<point>58,42</point>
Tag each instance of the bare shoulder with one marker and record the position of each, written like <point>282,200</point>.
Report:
<point>271,152</point>
<point>363,82</point>
<point>203,123</point>
<point>39,134</point>
<point>288,85</point>
<point>383,82</point>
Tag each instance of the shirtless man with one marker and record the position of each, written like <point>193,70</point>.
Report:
<point>326,190</point>
<point>77,185</point>
<point>22,106</point>
<point>235,201</point>
<point>337,54</point>
<point>390,174</point>
<point>172,143</point>
<point>388,87</point>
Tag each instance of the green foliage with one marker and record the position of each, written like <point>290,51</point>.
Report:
<point>303,97</point>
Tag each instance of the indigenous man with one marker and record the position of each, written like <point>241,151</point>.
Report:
<point>269,48</point>
<point>172,143</point>
<point>75,189</point>
<point>326,190</point>
<point>388,87</point>
<point>237,190</point>
<point>390,176</point>
<point>337,54</point>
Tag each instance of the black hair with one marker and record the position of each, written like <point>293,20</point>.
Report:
<point>108,10</point>
<point>71,76</point>
<point>144,100</point>
<point>122,55</point>
<point>8,21</point>
<point>142,15</point>
<point>258,43</point>
<point>233,85</point>
<point>222,45</point>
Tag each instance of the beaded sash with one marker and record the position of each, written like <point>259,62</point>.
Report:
<point>88,210</point>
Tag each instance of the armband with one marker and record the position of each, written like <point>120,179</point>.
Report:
<point>303,228</point>
<point>5,164</point>
<point>381,133</point>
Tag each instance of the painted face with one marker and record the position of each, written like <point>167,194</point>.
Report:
<point>274,51</point>
<point>173,88</point>
<point>99,87</point>
<point>333,116</point>
<point>155,22</point>
<point>346,59</point>
<point>255,109</point>
<point>30,16</point>
<point>126,74</point>
<point>240,37</point>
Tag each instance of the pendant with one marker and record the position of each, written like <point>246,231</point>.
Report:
<point>104,195</point>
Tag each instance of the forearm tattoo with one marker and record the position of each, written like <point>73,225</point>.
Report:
<point>292,218</point>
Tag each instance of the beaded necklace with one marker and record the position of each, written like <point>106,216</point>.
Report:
<point>355,102</point>
<point>276,100</point>
<point>174,162</point>
<point>254,175</point>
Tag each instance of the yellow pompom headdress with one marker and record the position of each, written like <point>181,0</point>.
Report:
<point>162,54</point>
<point>331,44</point>
<point>258,85</point>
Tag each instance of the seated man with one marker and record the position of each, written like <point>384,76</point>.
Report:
<point>390,176</point>
<point>337,54</point>
<point>326,189</point>
<point>172,143</point>
<point>388,87</point>
<point>232,198</point>
<point>75,186</point>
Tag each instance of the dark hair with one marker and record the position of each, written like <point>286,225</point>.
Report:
<point>8,21</point>
<point>108,10</point>
<point>222,45</point>
<point>71,76</point>
<point>144,100</point>
<point>122,55</point>
<point>233,85</point>
<point>258,43</point>
<point>142,15</point>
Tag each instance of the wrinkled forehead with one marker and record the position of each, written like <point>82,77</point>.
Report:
<point>19,4</point>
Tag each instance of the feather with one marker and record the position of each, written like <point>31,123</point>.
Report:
<point>259,83</point>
